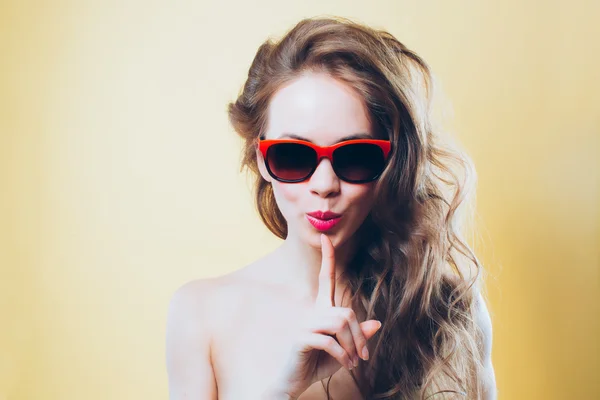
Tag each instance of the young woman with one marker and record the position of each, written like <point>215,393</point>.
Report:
<point>372,294</point>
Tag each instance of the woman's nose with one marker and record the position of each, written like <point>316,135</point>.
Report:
<point>324,181</point>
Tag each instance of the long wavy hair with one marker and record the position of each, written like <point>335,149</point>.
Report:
<point>412,270</point>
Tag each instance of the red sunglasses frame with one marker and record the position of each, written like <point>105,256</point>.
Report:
<point>322,151</point>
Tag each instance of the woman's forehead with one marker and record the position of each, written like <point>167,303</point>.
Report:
<point>318,108</point>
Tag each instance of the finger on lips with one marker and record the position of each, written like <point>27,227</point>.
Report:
<point>342,322</point>
<point>327,274</point>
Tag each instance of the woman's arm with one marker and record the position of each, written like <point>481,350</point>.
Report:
<point>485,324</point>
<point>189,368</point>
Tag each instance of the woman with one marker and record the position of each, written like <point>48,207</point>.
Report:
<point>373,294</point>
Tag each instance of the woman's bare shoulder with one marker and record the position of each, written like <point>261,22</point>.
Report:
<point>202,295</point>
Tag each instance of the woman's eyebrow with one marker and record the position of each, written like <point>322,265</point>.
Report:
<point>349,137</point>
<point>356,136</point>
<point>294,136</point>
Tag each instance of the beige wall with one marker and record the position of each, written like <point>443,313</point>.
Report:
<point>119,177</point>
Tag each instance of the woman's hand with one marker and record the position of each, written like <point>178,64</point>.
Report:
<point>331,339</point>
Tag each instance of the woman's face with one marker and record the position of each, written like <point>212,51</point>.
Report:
<point>323,110</point>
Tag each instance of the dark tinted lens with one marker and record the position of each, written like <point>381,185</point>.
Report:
<point>291,161</point>
<point>359,162</point>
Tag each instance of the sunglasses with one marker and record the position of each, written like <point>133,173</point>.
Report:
<point>353,161</point>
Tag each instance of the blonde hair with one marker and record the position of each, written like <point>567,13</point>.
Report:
<point>412,270</point>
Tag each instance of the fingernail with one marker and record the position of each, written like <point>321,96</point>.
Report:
<point>365,353</point>
<point>356,361</point>
<point>350,366</point>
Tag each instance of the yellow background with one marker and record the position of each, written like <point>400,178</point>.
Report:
<point>119,177</point>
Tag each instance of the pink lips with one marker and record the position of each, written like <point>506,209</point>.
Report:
<point>323,220</point>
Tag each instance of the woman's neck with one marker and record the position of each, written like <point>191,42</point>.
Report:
<point>299,265</point>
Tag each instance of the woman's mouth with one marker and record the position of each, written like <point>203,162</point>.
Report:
<point>323,224</point>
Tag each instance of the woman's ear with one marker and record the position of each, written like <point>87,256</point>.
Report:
<point>260,161</point>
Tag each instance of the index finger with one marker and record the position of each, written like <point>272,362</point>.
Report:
<point>325,295</point>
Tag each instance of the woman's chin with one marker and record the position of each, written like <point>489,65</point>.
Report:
<point>314,237</point>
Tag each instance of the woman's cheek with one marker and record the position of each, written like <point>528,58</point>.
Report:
<point>287,196</point>
<point>362,197</point>
<point>359,193</point>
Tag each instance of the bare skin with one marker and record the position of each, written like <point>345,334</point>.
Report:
<point>238,333</point>
<point>254,335</point>
<point>249,320</point>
